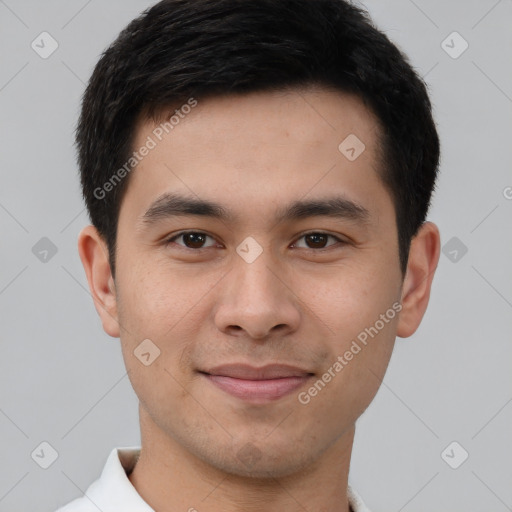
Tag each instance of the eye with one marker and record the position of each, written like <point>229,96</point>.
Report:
<point>318,240</point>
<point>197,239</point>
<point>191,240</point>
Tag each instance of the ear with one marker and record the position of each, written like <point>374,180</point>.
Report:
<point>94,255</point>
<point>422,263</point>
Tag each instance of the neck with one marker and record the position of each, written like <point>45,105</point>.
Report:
<point>170,478</point>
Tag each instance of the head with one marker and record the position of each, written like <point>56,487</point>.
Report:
<point>296,145</point>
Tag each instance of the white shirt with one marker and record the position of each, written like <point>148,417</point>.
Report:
<point>113,491</point>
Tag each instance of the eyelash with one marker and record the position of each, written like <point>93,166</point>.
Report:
<point>168,241</point>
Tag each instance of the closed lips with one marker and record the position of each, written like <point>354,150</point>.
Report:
<point>247,372</point>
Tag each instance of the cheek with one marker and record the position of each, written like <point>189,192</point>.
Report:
<point>158,333</point>
<point>347,299</point>
<point>348,385</point>
<point>155,300</point>
<point>166,308</point>
<point>361,310</point>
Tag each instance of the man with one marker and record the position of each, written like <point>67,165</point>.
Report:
<point>258,176</point>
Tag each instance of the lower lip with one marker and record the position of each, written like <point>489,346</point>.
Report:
<point>257,390</point>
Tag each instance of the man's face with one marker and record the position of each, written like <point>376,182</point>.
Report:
<point>258,288</point>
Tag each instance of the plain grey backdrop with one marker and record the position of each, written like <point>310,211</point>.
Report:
<point>438,434</point>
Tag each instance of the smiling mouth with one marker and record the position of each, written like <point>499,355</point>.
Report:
<point>260,385</point>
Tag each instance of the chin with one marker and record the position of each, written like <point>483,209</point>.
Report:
<point>249,461</point>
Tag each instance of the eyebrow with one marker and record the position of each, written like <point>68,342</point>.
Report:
<point>174,205</point>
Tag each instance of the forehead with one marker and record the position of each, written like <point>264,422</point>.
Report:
<point>261,150</point>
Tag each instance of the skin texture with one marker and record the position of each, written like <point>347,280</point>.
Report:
<point>294,304</point>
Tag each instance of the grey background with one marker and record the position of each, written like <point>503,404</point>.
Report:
<point>62,380</point>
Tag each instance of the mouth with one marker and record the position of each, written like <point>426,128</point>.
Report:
<point>257,385</point>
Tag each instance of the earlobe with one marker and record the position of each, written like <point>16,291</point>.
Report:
<point>94,255</point>
<point>421,266</point>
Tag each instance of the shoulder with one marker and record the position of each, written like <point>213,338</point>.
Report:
<point>112,490</point>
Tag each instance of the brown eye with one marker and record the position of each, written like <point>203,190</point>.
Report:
<point>191,240</point>
<point>318,240</point>
<point>194,240</point>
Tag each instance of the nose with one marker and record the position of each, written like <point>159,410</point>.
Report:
<point>256,301</point>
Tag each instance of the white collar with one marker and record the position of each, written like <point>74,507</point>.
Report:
<point>114,492</point>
